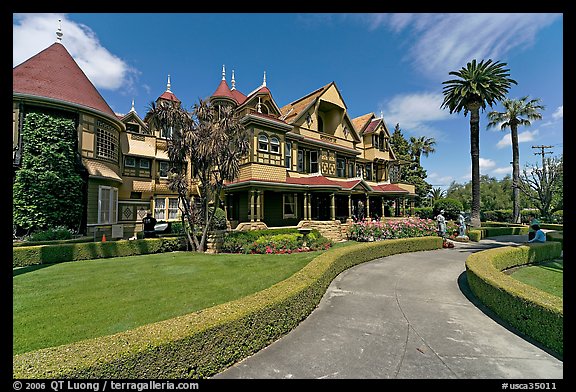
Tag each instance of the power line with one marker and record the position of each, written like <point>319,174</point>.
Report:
<point>542,152</point>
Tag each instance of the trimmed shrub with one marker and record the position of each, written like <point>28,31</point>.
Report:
<point>201,344</point>
<point>49,254</point>
<point>532,311</point>
<point>53,242</point>
<point>556,236</point>
<point>484,232</point>
<point>497,216</point>
<point>273,241</point>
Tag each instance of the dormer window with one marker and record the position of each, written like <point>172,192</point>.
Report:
<point>308,119</point>
<point>134,128</point>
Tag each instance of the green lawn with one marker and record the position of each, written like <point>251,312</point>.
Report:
<point>546,276</point>
<point>67,302</point>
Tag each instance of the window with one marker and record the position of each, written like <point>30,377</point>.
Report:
<point>359,171</point>
<point>160,208</point>
<point>274,145</point>
<point>340,167</point>
<point>136,195</point>
<point>172,208</point>
<point>136,167</point>
<point>288,155</point>
<point>106,144</point>
<point>166,133</point>
<point>163,168</point>
<point>300,163</point>
<point>130,162</point>
<point>263,143</point>
<point>369,171</point>
<point>313,161</point>
<point>289,201</point>
<point>107,204</point>
<point>320,124</point>
<point>144,163</point>
<point>132,128</point>
<point>350,169</point>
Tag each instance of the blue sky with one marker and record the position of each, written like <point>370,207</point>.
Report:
<point>392,64</point>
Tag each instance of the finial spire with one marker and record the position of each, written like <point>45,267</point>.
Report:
<point>223,72</point>
<point>59,33</point>
<point>259,106</point>
<point>133,110</point>
<point>233,81</point>
<point>264,81</point>
<point>168,84</point>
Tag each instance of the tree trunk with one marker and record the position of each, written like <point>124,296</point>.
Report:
<point>475,155</point>
<point>515,173</point>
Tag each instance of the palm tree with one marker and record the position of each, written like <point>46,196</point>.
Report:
<point>479,84</point>
<point>421,146</point>
<point>516,112</point>
<point>436,194</point>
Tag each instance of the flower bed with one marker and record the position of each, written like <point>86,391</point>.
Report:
<point>274,242</point>
<point>390,229</point>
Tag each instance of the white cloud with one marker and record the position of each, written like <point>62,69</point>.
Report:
<point>485,165</point>
<point>523,137</point>
<point>35,32</point>
<point>438,180</point>
<point>503,170</point>
<point>436,40</point>
<point>414,111</point>
<point>559,113</point>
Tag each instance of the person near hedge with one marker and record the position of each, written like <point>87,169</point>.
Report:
<point>531,231</point>
<point>539,235</point>
<point>149,222</point>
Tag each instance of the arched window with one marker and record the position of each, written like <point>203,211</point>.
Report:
<point>320,124</point>
<point>274,144</point>
<point>263,142</point>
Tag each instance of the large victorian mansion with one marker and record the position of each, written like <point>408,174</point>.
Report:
<point>309,163</point>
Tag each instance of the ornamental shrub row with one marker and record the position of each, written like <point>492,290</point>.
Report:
<point>48,254</point>
<point>201,344</point>
<point>284,240</point>
<point>532,311</point>
<point>484,232</point>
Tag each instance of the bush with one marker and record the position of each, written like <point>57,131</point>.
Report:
<point>201,344</point>
<point>55,233</point>
<point>219,220</point>
<point>424,212</point>
<point>532,311</point>
<point>49,254</point>
<point>273,241</point>
<point>451,207</point>
<point>392,229</point>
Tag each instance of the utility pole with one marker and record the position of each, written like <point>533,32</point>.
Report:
<point>542,152</point>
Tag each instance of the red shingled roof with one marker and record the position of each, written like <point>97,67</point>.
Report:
<point>315,180</point>
<point>238,96</point>
<point>169,95</point>
<point>390,188</point>
<point>53,73</point>
<point>370,128</point>
<point>223,91</point>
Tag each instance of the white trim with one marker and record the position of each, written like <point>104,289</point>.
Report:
<point>112,205</point>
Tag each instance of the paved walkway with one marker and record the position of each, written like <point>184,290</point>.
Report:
<point>407,316</point>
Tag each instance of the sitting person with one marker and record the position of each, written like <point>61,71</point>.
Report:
<point>539,235</point>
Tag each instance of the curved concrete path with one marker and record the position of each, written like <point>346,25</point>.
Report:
<point>407,316</point>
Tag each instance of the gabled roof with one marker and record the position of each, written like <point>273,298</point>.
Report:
<point>133,115</point>
<point>361,122</point>
<point>259,91</point>
<point>54,74</point>
<point>371,126</point>
<point>294,110</point>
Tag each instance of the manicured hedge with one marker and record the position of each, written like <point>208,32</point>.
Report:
<point>201,344</point>
<point>53,242</point>
<point>501,224</point>
<point>48,254</point>
<point>557,236</point>
<point>532,311</point>
<point>484,232</point>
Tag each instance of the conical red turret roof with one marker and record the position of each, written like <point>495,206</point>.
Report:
<point>53,73</point>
